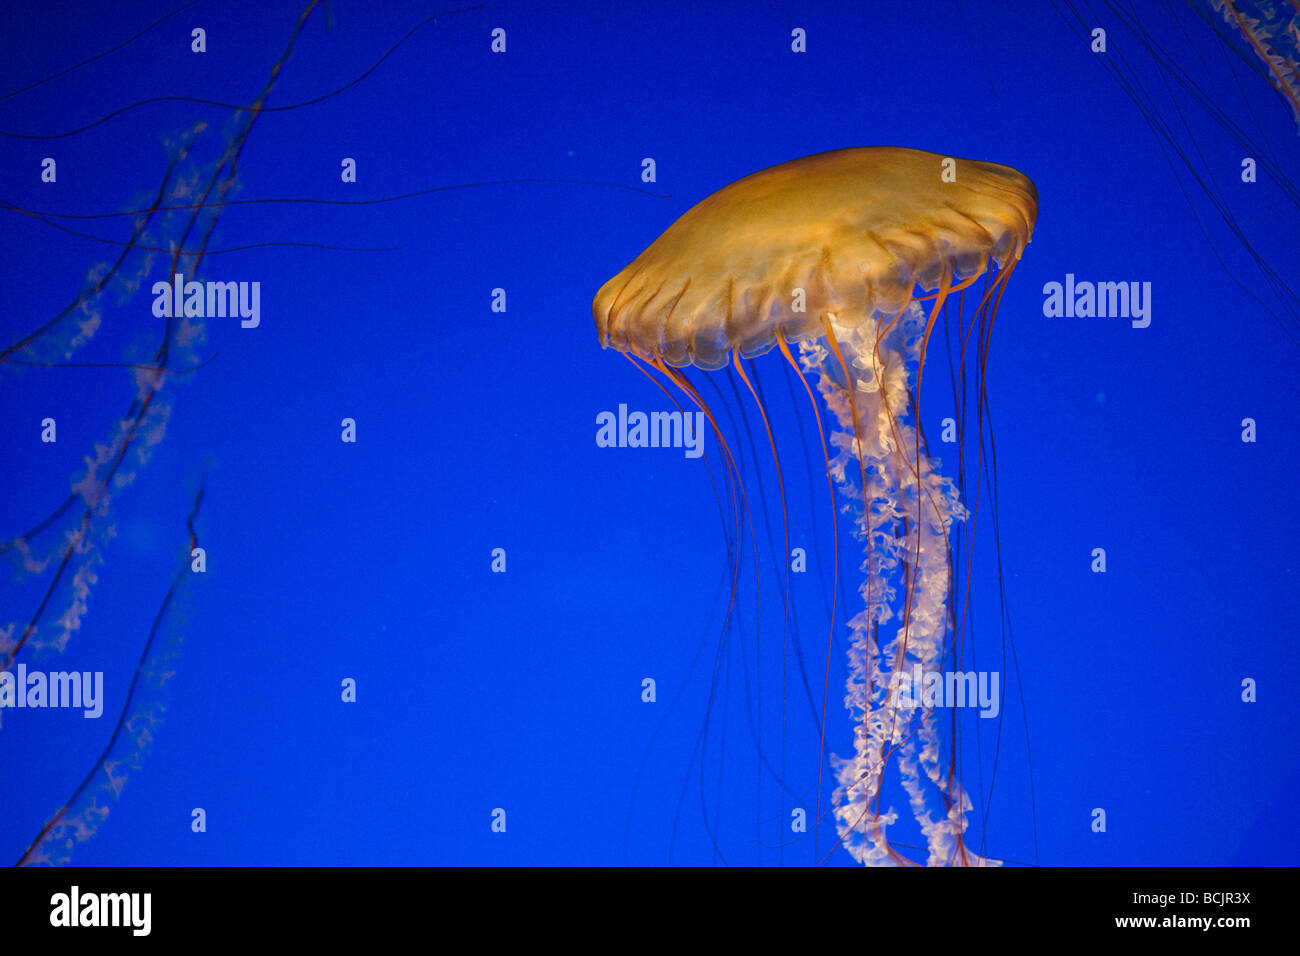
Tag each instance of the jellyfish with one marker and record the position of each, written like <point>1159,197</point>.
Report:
<point>843,262</point>
<point>61,554</point>
<point>1272,32</point>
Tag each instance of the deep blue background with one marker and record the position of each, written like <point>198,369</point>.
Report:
<point>522,690</point>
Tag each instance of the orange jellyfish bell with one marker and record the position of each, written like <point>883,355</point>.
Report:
<point>834,254</point>
<point>856,229</point>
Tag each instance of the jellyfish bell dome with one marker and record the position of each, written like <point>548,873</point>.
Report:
<point>857,230</point>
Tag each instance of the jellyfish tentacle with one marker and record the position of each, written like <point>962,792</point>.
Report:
<point>744,517</point>
<point>904,510</point>
<point>873,585</point>
<point>785,528</point>
<point>859,782</point>
<point>835,537</point>
<point>945,287</point>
